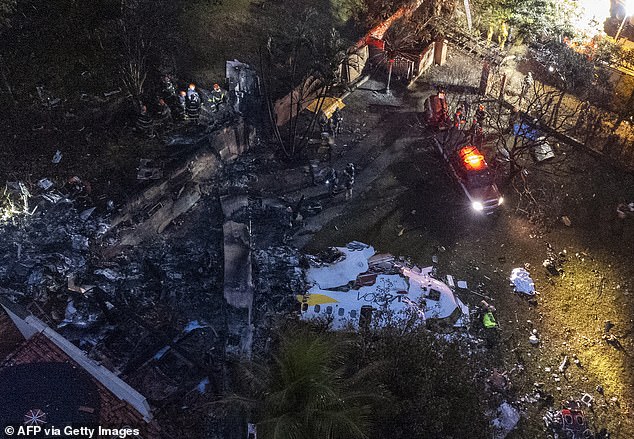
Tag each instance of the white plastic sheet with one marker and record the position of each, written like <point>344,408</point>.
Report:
<point>521,280</point>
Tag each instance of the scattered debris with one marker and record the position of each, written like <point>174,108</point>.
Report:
<point>587,399</point>
<point>566,221</point>
<point>564,364</point>
<point>45,184</point>
<point>148,170</point>
<point>521,280</point>
<point>506,420</point>
<point>57,157</point>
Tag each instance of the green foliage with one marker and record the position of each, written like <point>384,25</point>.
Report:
<point>432,383</point>
<point>397,381</point>
<point>529,19</point>
<point>303,392</point>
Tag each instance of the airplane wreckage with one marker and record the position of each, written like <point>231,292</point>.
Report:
<point>351,284</point>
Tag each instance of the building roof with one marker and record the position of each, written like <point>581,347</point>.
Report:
<point>10,337</point>
<point>117,404</point>
<point>55,393</point>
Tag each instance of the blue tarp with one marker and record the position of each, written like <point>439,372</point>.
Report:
<point>527,131</point>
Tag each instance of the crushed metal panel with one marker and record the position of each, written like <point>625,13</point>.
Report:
<point>238,277</point>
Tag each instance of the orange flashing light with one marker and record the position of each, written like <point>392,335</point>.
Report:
<point>472,158</point>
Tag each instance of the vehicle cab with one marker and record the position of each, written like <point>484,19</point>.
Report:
<point>473,175</point>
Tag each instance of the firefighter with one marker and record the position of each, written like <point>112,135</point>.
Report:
<point>514,119</point>
<point>481,115</point>
<point>164,114</point>
<point>192,105</point>
<point>191,89</point>
<point>332,181</point>
<point>182,102</point>
<point>459,119</point>
<point>218,97</point>
<point>169,91</point>
<point>324,123</point>
<point>476,134</point>
<point>144,123</point>
<point>438,110</point>
<point>349,174</point>
<point>337,119</point>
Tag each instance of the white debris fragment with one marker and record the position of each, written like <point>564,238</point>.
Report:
<point>194,324</point>
<point>342,272</point>
<point>521,280</point>
<point>506,420</point>
<point>57,157</point>
<point>533,339</point>
<point>45,184</point>
<point>109,274</point>
<point>564,364</point>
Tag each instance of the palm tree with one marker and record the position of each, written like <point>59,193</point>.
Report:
<point>303,393</point>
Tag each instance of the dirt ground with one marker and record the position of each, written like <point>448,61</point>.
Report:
<point>412,209</point>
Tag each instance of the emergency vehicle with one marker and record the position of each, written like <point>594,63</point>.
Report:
<point>470,171</point>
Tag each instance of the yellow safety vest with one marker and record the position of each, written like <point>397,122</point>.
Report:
<point>489,321</point>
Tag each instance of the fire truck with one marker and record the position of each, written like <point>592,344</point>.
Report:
<point>470,170</point>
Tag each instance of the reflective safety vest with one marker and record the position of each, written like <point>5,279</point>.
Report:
<point>489,321</point>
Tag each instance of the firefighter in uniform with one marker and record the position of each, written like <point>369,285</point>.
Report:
<point>144,123</point>
<point>218,97</point>
<point>192,106</point>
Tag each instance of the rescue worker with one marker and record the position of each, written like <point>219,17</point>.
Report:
<point>192,106</point>
<point>327,144</point>
<point>168,87</point>
<point>337,119</point>
<point>182,103</point>
<point>488,320</point>
<point>459,119</point>
<point>481,115</point>
<point>164,114</point>
<point>218,97</point>
<point>144,123</point>
<point>324,123</point>
<point>349,173</point>
<point>332,181</point>
<point>476,134</point>
<point>191,89</point>
<point>514,119</point>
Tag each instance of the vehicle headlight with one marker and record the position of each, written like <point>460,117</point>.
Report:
<point>500,200</point>
<point>477,206</point>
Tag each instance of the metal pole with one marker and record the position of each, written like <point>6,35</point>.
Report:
<point>389,76</point>
<point>616,38</point>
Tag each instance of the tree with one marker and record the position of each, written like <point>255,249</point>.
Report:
<point>299,68</point>
<point>304,393</point>
<point>434,385</point>
<point>529,20</point>
<point>141,40</point>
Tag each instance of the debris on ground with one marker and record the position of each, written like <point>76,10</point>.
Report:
<point>522,282</point>
<point>505,421</point>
